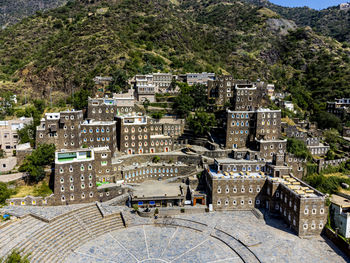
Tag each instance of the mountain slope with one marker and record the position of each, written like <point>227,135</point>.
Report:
<point>65,48</point>
<point>331,21</point>
<point>13,11</point>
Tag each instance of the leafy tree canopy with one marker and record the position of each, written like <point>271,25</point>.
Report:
<point>33,164</point>
<point>298,148</point>
<point>201,122</point>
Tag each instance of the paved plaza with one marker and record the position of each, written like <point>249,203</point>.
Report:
<point>270,241</point>
<point>82,234</point>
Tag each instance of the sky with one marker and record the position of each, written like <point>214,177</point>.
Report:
<point>316,4</point>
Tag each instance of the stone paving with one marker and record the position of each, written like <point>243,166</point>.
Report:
<point>154,244</point>
<point>270,240</point>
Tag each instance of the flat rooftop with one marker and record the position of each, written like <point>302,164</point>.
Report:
<point>297,186</point>
<point>150,189</point>
<point>340,201</point>
<point>235,175</point>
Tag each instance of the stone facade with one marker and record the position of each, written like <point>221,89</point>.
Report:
<point>346,132</point>
<point>339,107</point>
<point>8,133</point>
<point>61,129</point>
<point>99,134</point>
<point>301,206</point>
<point>141,134</point>
<point>75,177</point>
<point>105,109</point>
<point>199,78</point>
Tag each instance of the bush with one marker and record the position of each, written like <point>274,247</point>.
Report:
<point>42,190</point>
<point>182,210</point>
<point>156,211</point>
<point>156,159</point>
<point>15,257</point>
<point>298,148</point>
<point>135,207</point>
<point>33,164</point>
<point>5,193</point>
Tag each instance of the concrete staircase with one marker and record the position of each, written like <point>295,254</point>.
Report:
<point>52,242</point>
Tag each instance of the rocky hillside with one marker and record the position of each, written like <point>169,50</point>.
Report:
<point>331,21</point>
<point>13,11</point>
<point>64,48</point>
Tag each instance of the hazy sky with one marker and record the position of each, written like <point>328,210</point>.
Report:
<point>316,4</point>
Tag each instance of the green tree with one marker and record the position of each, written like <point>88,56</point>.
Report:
<point>183,104</point>
<point>157,115</point>
<point>80,99</point>
<point>326,120</point>
<point>119,81</point>
<point>27,134</point>
<point>16,257</point>
<point>2,153</point>
<point>33,164</point>
<point>156,159</point>
<point>201,122</point>
<point>298,148</point>
<point>4,193</point>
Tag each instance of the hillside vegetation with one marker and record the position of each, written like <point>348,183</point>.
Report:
<point>13,11</point>
<point>64,48</point>
<point>331,21</point>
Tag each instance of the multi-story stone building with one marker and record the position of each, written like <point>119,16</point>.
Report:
<point>294,132</point>
<point>199,78</point>
<point>101,84</point>
<point>300,205</point>
<point>9,133</point>
<point>260,129</point>
<point>339,107</point>
<point>105,109</point>
<point>340,214</point>
<point>221,90</point>
<point>139,134</point>
<point>147,85</point>
<point>61,129</point>
<point>99,134</point>
<point>315,147</point>
<point>162,82</point>
<point>241,94</point>
<point>75,176</point>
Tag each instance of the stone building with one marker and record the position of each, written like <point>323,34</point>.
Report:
<point>147,85</point>
<point>340,214</point>
<point>9,138</point>
<point>246,97</point>
<point>316,148</point>
<point>295,132</point>
<point>61,129</point>
<point>221,90</point>
<point>137,134</point>
<point>259,129</point>
<point>231,186</point>
<point>99,134</point>
<point>199,78</point>
<point>339,107</point>
<point>75,176</point>
<point>101,83</point>
<point>105,109</point>
<point>301,206</point>
<point>346,132</point>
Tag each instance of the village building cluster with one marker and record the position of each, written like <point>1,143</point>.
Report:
<point>100,151</point>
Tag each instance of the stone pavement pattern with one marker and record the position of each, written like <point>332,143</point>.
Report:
<point>154,244</point>
<point>81,234</point>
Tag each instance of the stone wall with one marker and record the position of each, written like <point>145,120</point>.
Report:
<point>7,164</point>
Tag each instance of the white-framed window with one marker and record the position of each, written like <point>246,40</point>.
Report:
<point>82,186</point>
<point>219,190</point>
<point>313,211</point>
<point>306,211</point>
<point>257,201</point>
<point>219,202</point>
<point>234,202</point>
<point>322,211</point>
<point>242,202</point>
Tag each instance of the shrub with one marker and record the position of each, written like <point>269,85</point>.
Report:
<point>156,159</point>
<point>135,207</point>
<point>156,211</point>
<point>15,257</point>
<point>4,193</point>
<point>182,210</point>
